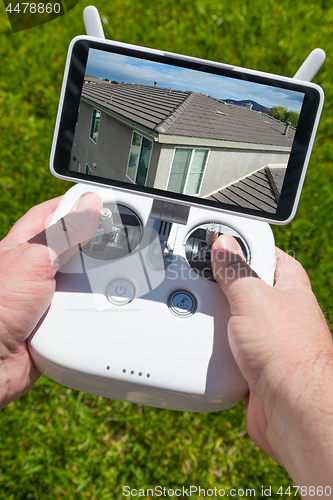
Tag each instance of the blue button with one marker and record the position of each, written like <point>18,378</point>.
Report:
<point>182,303</point>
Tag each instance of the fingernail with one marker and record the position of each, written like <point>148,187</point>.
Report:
<point>85,205</point>
<point>227,242</point>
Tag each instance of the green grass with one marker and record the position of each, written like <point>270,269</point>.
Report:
<point>57,443</point>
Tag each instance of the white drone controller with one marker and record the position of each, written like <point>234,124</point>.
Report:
<point>137,315</point>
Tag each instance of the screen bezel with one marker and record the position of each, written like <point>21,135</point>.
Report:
<point>299,156</point>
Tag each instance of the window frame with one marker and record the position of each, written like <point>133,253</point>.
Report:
<point>87,170</point>
<point>93,124</point>
<point>189,168</point>
<point>137,164</point>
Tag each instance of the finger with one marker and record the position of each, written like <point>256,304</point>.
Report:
<point>27,271</point>
<point>62,239</point>
<point>30,224</point>
<point>240,284</point>
<point>289,273</point>
<point>228,263</point>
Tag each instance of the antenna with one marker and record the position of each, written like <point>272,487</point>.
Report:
<point>311,65</point>
<point>92,22</point>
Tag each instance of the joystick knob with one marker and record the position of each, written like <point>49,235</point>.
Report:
<point>118,234</point>
<point>106,219</point>
<point>198,247</point>
<point>212,233</point>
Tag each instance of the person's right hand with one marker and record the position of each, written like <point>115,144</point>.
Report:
<point>284,349</point>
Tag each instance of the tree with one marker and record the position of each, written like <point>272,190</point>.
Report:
<point>278,112</point>
<point>293,117</point>
<point>281,113</point>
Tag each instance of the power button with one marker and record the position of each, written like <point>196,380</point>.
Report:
<point>120,292</point>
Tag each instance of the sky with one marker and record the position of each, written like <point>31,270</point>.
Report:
<point>134,70</point>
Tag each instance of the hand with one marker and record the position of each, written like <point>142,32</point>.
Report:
<point>283,347</point>
<point>30,256</point>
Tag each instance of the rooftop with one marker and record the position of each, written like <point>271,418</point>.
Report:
<point>186,113</point>
<point>259,191</point>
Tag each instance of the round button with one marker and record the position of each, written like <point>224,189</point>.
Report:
<point>120,292</point>
<point>182,303</point>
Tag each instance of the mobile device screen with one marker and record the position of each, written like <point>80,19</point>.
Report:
<point>185,129</point>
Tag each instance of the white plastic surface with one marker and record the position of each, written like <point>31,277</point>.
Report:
<point>92,22</point>
<point>311,65</point>
<point>141,351</point>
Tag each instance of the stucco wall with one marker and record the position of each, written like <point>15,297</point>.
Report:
<point>111,152</point>
<point>224,167</point>
<point>228,166</point>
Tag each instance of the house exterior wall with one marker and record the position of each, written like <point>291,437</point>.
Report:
<point>229,166</point>
<point>224,166</point>
<point>108,157</point>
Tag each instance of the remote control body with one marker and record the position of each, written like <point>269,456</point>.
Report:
<point>144,326</point>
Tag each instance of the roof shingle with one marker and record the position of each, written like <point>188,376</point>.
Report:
<point>187,113</point>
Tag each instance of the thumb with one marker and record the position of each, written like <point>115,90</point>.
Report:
<point>64,238</point>
<point>232,272</point>
<point>27,270</point>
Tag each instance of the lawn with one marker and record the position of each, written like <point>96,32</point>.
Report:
<point>57,443</point>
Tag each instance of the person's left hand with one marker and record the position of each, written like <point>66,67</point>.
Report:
<point>30,256</point>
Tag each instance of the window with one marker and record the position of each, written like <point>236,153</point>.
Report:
<point>96,118</point>
<point>187,170</point>
<point>88,170</point>
<point>139,159</point>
